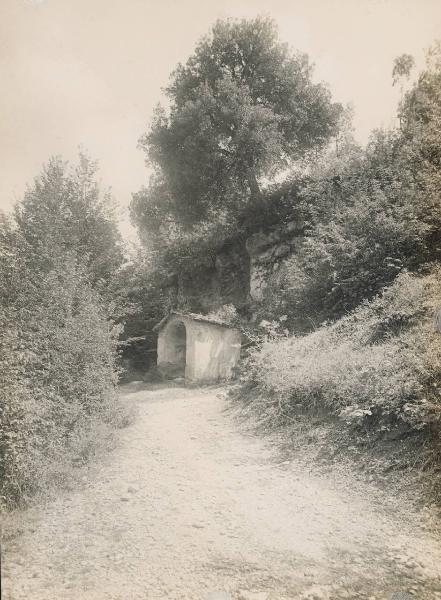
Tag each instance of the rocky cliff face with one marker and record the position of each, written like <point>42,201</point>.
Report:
<point>239,272</point>
<point>217,280</point>
<point>267,250</point>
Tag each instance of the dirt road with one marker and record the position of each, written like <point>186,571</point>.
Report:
<point>191,506</point>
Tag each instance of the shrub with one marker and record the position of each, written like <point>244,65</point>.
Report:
<point>14,426</point>
<point>366,221</point>
<point>58,376</point>
<point>379,367</point>
<point>58,255</point>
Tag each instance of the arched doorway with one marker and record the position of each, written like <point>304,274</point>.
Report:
<point>174,355</point>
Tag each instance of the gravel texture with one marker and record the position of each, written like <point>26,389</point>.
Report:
<point>193,506</point>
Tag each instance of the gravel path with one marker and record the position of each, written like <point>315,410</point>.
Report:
<point>190,506</point>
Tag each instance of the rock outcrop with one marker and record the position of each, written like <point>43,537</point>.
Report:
<point>266,252</point>
<point>239,272</point>
<point>217,280</point>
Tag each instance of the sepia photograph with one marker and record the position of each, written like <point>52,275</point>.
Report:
<point>220,299</point>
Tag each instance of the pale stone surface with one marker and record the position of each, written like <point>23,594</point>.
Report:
<point>205,351</point>
<point>247,595</point>
<point>219,595</point>
<point>240,269</point>
<point>267,250</point>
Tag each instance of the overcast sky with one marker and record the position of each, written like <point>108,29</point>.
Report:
<point>89,72</point>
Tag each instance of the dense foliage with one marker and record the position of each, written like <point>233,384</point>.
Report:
<point>369,215</point>
<point>379,365</point>
<point>366,387</point>
<point>242,107</point>
<point>64,211</point>
<point>350,317</point>
<point>58,355</point>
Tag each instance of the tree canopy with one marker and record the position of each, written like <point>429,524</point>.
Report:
<point>65,211</point>
<point>241,108</point>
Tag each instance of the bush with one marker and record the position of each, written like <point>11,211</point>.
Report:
<point>58,256</point>
<point>14,425</point>
<point>366,221</point>
<point>377,368</point>
<point>58,377</point>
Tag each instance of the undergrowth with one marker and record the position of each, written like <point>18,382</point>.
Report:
<point>58,375</point>
<point>373,376</point>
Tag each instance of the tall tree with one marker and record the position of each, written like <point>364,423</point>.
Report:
<point>58,254</point>
<point>241,108</point>
<point>65,211</point>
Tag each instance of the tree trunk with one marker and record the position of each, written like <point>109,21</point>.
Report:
<point>256,193</point>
